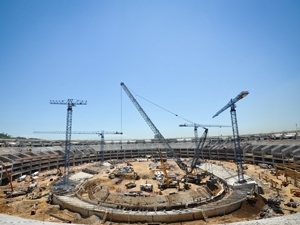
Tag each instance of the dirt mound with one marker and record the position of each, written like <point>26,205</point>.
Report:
<point>250,210</point>
<point>4,208</point>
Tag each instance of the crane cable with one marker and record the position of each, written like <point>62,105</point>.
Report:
<point>161,107</point>
<point>121,117</point>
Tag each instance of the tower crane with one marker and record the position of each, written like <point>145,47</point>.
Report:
<point>99,133</point>
<point>236,138</point>
<point>70,103</point>
<point>157,133</point>
<point>200,143</point>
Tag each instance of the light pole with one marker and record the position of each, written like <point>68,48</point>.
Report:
<point>296,128</point>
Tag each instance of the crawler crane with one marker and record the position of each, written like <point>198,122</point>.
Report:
<point>170,150</point>
<point>167,183</point>
<point>200,143</point>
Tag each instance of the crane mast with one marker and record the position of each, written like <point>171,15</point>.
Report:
<point>101,134</point>
<point>157,133</point>
<point>70,103</point>
<point>235,131</point>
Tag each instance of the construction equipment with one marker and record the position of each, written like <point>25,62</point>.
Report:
<point>201,142</point>
<point>130,185</point>
<point>273,183</point>
<point>21,178</point>
<point>296,193</point>
<point>8,174</point>
<point>70,103</point>
<point>157,133</point>
<point>251,196</point>
<point>12,193</point>
<point>58,172</point>
<point>99,133</point>
<point>199,147</point>
<point>236,138</point>
<point>111,176</point>
<point>146,187</point>
<point>288,171</point>
<point>166,183</point>
<point>285,183</point>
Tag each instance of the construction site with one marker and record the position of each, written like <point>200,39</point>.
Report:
<point>243,179</point>
<point>146,188</point>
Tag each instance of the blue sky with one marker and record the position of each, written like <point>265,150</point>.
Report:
<point>189,57</point>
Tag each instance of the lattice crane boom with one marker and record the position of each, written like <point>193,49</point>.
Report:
<point>196,125</point>
<point>199,144</point>
<point>198,149</point>
<point>232,102</point>
<point>235,131</point>
<point>154,129</point>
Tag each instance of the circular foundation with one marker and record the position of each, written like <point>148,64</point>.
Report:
<point>122,197</point>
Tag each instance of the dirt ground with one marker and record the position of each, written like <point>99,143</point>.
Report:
<point>38,209</point>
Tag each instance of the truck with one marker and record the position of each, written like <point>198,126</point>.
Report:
<point>146,187</point>
<point>296,193</point>
<point>21,178</point>
<point>130,185</point>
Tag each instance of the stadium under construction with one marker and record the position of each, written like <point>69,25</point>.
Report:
<point>134,193</point>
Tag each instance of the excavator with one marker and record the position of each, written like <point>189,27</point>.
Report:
<point>8,174</point>
<point>12,193</point>
<point>251,196</point>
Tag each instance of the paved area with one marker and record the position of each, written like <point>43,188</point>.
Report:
<point>286,220</point>
<point>12,220</point>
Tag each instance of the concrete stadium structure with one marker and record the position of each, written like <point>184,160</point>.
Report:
<point>24,157</point>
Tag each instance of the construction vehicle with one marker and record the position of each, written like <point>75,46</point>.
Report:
<point>273,183</point>
<point>166,183</point>
<point>58,172</point>
<point>21,178</point>
<point>130,185</point>
<point>245,167</point>
<point>135,193</point>
<point>198,149</point>
<point>158,135</point>
<point>8,174</point>
<point>11,193</point>
<point>296,193</point>
<point>146,187</point>
<point>200,143</point>
<point>111,176</point>
<point>289,170</point>
<point>251,196</point>
<point>136,176</point>
<point>285,183</point>
<point>291,204</point>
<point>194,179</point>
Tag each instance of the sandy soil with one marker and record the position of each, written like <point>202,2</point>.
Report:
<point>38,209</point>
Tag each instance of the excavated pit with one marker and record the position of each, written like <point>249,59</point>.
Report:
<point>116,191</point>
